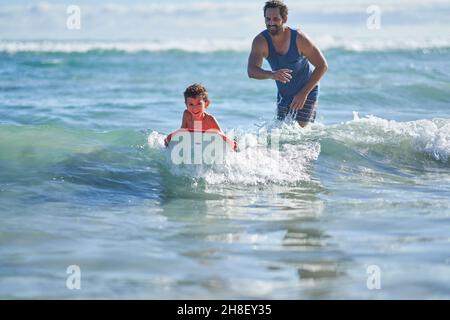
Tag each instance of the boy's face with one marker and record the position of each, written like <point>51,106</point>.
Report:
<point>197,106</point>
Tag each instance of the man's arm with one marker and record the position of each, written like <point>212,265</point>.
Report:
<point>315,56</point>
<point>255,60</point>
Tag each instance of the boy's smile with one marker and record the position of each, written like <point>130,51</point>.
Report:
<point>197,106</point>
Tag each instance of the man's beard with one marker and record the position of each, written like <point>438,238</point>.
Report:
<point>274,30</point>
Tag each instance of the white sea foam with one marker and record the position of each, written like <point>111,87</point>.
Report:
<point>430,137</point>
<point>207,45</point>
<point>254,164</point>
<point>199,45</point>
<point>156,140</point>
<point>289,164</point>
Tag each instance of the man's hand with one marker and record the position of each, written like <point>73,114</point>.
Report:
<point>299,101</point>
<point>282,75</point>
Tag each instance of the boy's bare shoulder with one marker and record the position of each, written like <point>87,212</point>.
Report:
<point>209,116</point>
<point>187,114</point>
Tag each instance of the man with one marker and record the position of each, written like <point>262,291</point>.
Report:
<point>290,54</point>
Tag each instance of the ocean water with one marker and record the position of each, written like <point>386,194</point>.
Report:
<point>85,179</point>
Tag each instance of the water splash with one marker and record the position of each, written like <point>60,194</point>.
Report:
<point>260,160</point>
<point>397,143</point>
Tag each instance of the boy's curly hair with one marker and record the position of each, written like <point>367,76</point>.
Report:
<point>196,90</point>
<point>276,4</point>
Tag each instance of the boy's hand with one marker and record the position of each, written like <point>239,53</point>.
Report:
<point>282,75</point>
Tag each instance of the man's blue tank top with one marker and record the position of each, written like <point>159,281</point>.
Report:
<point>299,64</point>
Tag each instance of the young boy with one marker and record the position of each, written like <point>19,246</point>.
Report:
<point>196,100</point>
<point>195,117</point>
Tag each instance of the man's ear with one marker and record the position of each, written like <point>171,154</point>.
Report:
<point>284,19</point>
<point>206,104</point>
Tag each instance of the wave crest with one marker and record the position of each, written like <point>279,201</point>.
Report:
<point>208,45</point>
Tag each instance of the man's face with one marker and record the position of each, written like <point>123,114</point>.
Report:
<point>274,21</point>
<point>197,106</point>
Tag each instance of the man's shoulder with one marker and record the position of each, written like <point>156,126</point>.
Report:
<point>303,41</point>
<point>300,34</point>
<point>260,42</point>
<point>260,37</point>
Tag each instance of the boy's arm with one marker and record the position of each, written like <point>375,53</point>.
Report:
<point>214,123</point>
<point>184,122</point>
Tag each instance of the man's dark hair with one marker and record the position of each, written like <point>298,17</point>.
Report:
<point>196,90</point>
<point>276,4</point>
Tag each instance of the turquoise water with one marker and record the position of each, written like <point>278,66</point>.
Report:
<point>85,181</point>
